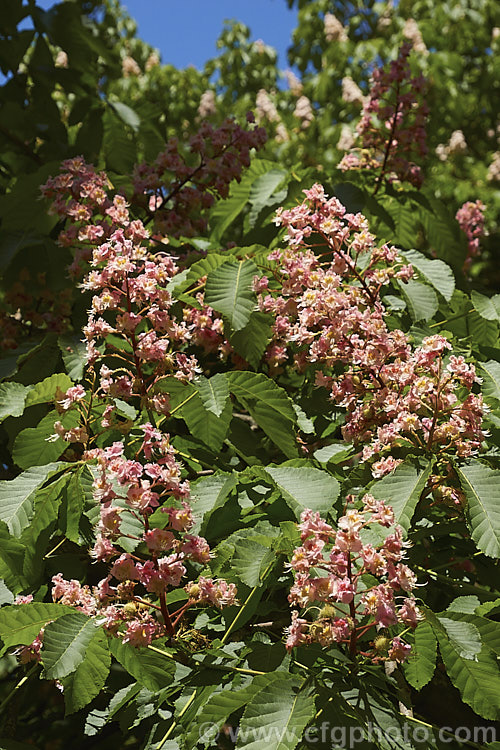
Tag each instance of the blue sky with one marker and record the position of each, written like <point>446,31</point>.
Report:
<point>185,31</point>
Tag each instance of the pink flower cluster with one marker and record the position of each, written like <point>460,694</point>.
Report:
<point>178,187</point>
<point>392,125</point>
<point>470,218</point>
<point>175,190</point>
<point>131,301</point>
<point>330,569</point>
<point>331,312</point>
<point>82,195</point>
<point>131,601</point>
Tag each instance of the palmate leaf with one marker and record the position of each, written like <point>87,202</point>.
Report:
<point>406,223</point>
<point>490,373</point>
<point>226,211</point>
<point>214,393</point>
<point>17,497</point>
<point>87,681</point>
<point>275,718</point>
<point>46,390</point>
<point>462,635</point>
<point>401,489</point>
<point>269,405</point>
<point>470,666</point>
<point>263,192</point>
<point>251,341</point>
<point>12,555</point>
<point>34,446</point>
<point>435,272</point>
<point>35,537</point>
<point>65,643</point>
<point>151,669</point>
<point>229,290</point>
<point>74,354</point>
<point>478,680</point>
<point>489,630</point>
<point>220,706</point>
<point>6,595</point>
<point>481,486</point>
<point>421,300</point>
<point>304,487</point>
<point>201,268</point>
<point>208,494</point>
<point>208,413</point>
<point>421,663</point>
<point>12,399</point>
<point>21,623</point>
<point>465,605</point>
<point>487,307</point>
<point>251,559</point>
<point>442,233</point>
<point>73,500</point>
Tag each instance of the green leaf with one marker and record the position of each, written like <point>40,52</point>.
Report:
<point>126,114</point>
<point>219,707</point>
<point>228,290</point>
<point>269,405</point>
<point>17,497</point>
<point>73,500</point>
<point>36,535</point>
<point>74,354</point>
<point>214,393</point>
<point>209,494</point>
<point>435,272</point>
<point>489,607</point>
<point>12,399</point>
<point>201,268</point>
<point>405,221</point>
<point>464,605</point>
<point>21,623</point>
<point>251,341</point>
<point>65,643</point>
<point>487,307</point>
<point>478,680</point>
<point>335,452</point>
<point>6,595</point>
<point>34,446</point>
<point>263,190</point>
<point>275,718</point>
<point>251,560</point>
<point>489,630</point>
<point>124,409</point>
<point>401,489</point>
<point>225,212</point>
<point>12,554</point>
<point>490,372</point>
<point>441,233</point>
<point>208,414</point>
<point>473,671</point>
<point>462,635</point>
<point>87,681</point>
<point>304,487</point>
<point>481,486</point>
<point>151,669</point>
<point>45,391</point>
<point>119,146</point>
<point>350,195</point>
<point>421,664</point>
<point>11,244</point>
<point>420,299</point>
